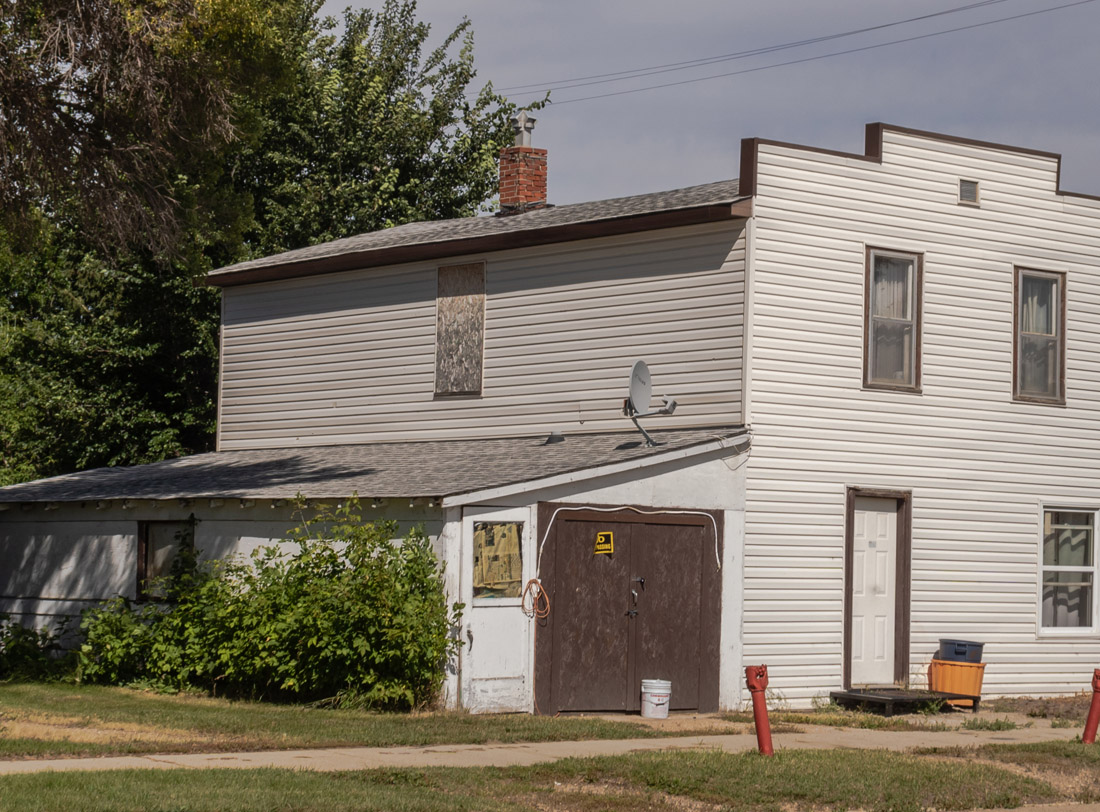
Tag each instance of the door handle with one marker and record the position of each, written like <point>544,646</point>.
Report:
<point>641,582</point>
<point>634,596</point>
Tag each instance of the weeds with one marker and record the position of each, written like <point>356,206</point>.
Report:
<point>976,723</point>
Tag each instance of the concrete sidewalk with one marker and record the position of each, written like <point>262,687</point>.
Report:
<point>505,755</point>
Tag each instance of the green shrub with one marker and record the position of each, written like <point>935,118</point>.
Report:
<point>351,616</point>
<point>117,636</point>
<point>28,654</point>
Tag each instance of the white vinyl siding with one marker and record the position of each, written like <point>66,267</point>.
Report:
<point>350,357</point>
<point>979,464</point>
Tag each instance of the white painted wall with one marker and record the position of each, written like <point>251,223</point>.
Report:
<point>56,563</point>
<point>978,464</point>
<point>350,357</point>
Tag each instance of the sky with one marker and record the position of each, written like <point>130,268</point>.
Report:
<point>1031,82</point>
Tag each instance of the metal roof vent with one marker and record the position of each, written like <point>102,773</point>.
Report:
<point>968,192</point>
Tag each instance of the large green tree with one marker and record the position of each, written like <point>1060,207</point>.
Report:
<point>145,142</point>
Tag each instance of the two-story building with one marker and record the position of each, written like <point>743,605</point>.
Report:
<point>886,428</point>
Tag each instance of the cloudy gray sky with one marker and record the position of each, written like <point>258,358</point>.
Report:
<point>1032,81</point>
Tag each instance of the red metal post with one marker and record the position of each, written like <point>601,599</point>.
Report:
<point>756,677</point>
<point>1089,736</point>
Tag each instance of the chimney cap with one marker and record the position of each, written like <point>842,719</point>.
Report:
<point>523,124</point>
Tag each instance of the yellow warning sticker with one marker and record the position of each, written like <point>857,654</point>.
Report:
<point>605,544</point>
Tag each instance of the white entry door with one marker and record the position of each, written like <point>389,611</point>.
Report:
<point>874,590</point>
<point>495,661</point>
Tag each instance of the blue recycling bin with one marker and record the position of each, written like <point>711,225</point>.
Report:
<point>960,651</point>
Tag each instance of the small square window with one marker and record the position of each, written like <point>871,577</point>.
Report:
<point>498,559</point>
<point>159,544</point>
<point>1040,337</point>
<point>891,358</point>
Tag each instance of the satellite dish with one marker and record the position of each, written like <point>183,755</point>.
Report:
<point>641,388</point>
<point>639,401</point>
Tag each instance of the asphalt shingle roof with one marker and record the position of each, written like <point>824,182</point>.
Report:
<point>436,231</point>
<point>409,469</point>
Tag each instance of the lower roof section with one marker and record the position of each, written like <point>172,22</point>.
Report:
<point>434,469</point>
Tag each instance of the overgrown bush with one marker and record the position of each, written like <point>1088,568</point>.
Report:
<point>350,616</point>
<point>28,654</point>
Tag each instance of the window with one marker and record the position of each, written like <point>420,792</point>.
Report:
<point>1040,337</point>
<point>1068,568</point>
<point>891,357</point>
<point>459,329</point>
<point>498,564</point>
<point>158,545</point>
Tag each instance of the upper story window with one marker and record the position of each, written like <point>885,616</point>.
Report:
<point>891,352</point>
<point>1040,336</point>
<point>459,329</point>
<point>1068,570</point>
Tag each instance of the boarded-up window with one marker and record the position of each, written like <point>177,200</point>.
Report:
<point>498,565</point>
<point>159,543</point>
<point>459,329</point>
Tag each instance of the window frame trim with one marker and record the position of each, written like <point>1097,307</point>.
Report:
<point>1075,632</point>
<point>1018,272</point>
<point>870,252</point>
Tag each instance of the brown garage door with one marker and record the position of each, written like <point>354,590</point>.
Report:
<point>648,610</point>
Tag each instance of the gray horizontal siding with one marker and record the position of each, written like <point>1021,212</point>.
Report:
<point>351,357</point>
<point>979,465</point>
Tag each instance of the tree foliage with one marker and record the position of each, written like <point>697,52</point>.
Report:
<point>372,133</point>
<point>100,100</point>
<point>145,142</point>
<point>349,615</point>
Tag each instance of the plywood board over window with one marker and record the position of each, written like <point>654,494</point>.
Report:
<point>460,329</point>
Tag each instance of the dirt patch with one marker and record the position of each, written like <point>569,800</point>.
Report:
<point>683,722</point>
<point>1074,707</point>
<point>76,729</point>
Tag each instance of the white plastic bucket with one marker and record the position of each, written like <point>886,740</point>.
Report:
<point>656,694</point>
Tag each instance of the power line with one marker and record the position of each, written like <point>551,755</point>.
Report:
<point>618,76</point>
<point>823,56</point>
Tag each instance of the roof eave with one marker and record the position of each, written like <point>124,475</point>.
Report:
<point>737,209</point>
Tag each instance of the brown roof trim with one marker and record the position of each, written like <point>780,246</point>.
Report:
<point>873,136</point>
<point>394,255</point>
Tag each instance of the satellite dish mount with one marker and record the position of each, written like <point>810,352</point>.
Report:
<point>638,403</point>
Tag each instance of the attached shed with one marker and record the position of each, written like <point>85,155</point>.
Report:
<point>667,596</point>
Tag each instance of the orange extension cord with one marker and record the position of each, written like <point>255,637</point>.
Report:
<point>537,608</point>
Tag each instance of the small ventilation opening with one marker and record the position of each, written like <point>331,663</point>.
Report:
<point>968,192</point>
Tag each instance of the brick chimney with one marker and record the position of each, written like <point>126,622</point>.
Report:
<point>522,171</point>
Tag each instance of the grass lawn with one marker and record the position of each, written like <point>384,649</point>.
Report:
<point>41,720</point>
<point>695,780</point>
<point>1072,767</point>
